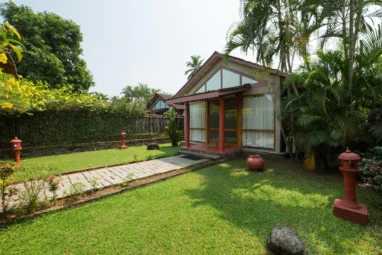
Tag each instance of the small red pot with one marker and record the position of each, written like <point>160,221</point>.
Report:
<point>255,162</point>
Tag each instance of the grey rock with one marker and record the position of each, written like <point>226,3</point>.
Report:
<point>284,241</point>
<point>153,146</point>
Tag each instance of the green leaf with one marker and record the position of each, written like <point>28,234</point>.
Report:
<point>13,30</point>
<point>16,42</point>
<point>17,51</point>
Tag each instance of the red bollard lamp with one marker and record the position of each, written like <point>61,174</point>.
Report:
<point>16,148</point>
<point>123,137</point>
<point>348,208</point>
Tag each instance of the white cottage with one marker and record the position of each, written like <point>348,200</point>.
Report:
<point>228,109</point>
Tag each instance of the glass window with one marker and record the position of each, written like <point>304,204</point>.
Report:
<point>245,80</point>
<point>258,139</point>
<point>201,90</point>
<point>214,114</point>
<point>198,122</point>
<point>157,105</point>
<point>230,79</point>
<point>197,135</point>
<point>214,82</point>
<point>230,114</point>
<point>258,121</point>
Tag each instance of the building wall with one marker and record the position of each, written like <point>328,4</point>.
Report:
<point>273,87</point>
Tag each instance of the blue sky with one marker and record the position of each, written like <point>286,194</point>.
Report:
<point>148,41</point>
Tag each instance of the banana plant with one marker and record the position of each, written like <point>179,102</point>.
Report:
<point>6,34</point>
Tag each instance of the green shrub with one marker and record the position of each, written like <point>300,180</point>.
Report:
<point>371,168</point>
<point>172,128</point>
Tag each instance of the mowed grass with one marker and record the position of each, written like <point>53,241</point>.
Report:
<point>56,164</point>
<point>222,209</point>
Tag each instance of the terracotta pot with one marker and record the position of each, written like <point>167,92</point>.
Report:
<point>255,162</point>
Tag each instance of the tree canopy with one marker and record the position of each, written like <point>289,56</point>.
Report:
<point>52,47</point>
<point>141,93</point>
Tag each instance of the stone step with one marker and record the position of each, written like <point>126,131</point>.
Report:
<point>212,156</point>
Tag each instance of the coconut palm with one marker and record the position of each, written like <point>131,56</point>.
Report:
<point>193,65</point>
<point>275,29</point>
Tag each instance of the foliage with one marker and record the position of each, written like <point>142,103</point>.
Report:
<point>194,65</point>
<point>127,179</point>
<point>131,108</point>
<point>6,182</point>
<point>75,190</point>
<point>172,128</point>
<point>8,42</point>
<point>32,195</point>
<point>21,96</point>
<point>141,93</point>
<point>94,182</point>
<point>53,47</point>
<point>325,118</point>
<point>53,185</point>
<point>221,209</point>
<point>371,168</point>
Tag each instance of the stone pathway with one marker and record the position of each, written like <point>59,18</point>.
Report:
<point>109,176</point>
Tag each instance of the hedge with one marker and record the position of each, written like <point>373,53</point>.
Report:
<point>48,128</point>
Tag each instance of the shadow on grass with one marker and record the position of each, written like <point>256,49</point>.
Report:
<point>284,194</point>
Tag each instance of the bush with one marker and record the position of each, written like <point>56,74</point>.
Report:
<point>172,128</point>
<point>371,168</point>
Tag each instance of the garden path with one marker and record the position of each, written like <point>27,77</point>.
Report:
<point>109,176</point>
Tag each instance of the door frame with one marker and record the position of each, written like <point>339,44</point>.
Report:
<point>238,129</point>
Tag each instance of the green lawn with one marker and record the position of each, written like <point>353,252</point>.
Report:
<point>42,166</point>
<point>222,209</point>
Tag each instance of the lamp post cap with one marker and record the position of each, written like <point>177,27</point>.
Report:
<point>348,155</point>
<point>15,140</point>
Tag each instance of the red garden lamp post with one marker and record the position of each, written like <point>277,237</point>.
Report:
<point>123,137</point>
<point>348,208</point>
<point>16,148</point>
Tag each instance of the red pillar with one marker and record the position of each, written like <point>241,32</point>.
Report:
<point>187,125</point>
<point>221,124</point>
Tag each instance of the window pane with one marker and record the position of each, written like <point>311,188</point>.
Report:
<point>201,90</point>
<point>157,105</point>
<point>214,114</point>
<point>230,114</point>
<point>230,79</point>
<point>214,136</point>
<point>246,80</point>
<point>230,137</point>
<point>258,113</point>
<point>197,115</point>
<point>258,139</point>
<point>214,82</point>
<point>197,135</point>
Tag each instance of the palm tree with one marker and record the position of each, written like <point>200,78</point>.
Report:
<point>193,65</point>
<point>322,119</point>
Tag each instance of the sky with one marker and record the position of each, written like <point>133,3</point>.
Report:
<point>127,42</point>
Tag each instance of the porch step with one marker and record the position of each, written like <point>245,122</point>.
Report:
<point>201,154</point>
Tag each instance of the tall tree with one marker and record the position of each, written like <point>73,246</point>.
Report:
<point>52,47</point>
<point>193,65</point>
<point>139,93</point>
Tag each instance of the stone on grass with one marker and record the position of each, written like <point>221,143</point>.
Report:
<point>153,146</point>
<point>282,240</point>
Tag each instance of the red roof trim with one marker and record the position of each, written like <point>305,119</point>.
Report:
<point>214,94</point>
